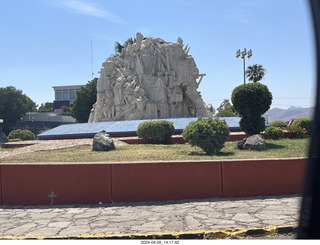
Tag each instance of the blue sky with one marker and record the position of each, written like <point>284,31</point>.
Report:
<point>47,43</point>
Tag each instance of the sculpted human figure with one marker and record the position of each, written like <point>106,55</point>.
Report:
<point>162,96</point>
<point>117,91</point>
<point>140,94</point>
<point>129,90</point>
<point>161,88</point>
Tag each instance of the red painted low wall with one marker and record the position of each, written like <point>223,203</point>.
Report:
<point>166,181</point>
<point>262,177</point>
<point>31,184</point>
<point>91,183</point>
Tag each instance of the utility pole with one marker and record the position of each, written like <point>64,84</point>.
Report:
<point>243,56</point>
<point>92,74</point>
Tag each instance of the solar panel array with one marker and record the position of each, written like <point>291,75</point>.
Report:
<point>120,127</point>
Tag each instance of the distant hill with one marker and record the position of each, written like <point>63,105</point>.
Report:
<point>288,114</point>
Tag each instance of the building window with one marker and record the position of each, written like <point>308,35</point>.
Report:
<point>72,94</point>
<point>65,95</point>
<point>59,95</point>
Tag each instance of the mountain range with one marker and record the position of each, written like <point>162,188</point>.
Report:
<point>288,114</point>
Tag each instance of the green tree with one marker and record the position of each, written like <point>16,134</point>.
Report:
<point>82,105</point>
<point>13,105</point>
<point>46,107</point>
<point>226,109</point>
<point>255,73</point>
<point>211,108</point>
<point>118,47</point>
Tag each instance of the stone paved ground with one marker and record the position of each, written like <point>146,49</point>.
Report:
<point>42,145</point>
<point>148,218</point>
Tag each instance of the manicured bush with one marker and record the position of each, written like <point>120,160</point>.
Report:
<point>275,133</point>
<point>297,130</point>
<point>304,123</point>
<point>208,134</point>
<point>278,124</point>
<point>251,101</point>
<point>155,132</point>
<point>253,125</point>
<point>21,134</point>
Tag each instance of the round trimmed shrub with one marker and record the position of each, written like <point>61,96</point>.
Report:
<point>278,124</point>
<point>304,122</point>
<point>208,134</point>
<point>21,134</point>
<point>251,101</point>
<point>275,133</point>
<point>155,132</point>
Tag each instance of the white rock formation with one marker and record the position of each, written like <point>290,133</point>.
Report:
<point>150,79</point>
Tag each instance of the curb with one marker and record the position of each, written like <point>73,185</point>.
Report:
<point>197,234</point>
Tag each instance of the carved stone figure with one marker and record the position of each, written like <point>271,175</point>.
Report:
<point>150,79</point>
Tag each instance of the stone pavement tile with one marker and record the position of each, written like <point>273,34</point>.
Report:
<point>148,227</point>
<point>198,215</point>
<point>244,217</point>
<point>212,214</point>
<point>20,215</point>
<point>43,216</point>
<point>154,218</point>
<point>95,224</point>
<point>274,222</point>
<point>204,208</point>
<point>75,230</point>
<point>223,226</point>
<point>87,214</point>
<point>4,227</point>
<point>60,225</point>
<point>112,230</point>
<point>44,231</point>
<point>20,230</point>
<point>174,225</point>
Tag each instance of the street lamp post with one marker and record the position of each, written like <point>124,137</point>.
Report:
<point>243,56</point>
<point>1,121</point>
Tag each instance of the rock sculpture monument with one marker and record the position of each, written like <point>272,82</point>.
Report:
<point>150,79</point>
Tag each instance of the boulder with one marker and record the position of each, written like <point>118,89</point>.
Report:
<point>254,142</point>
<point>103,142</point>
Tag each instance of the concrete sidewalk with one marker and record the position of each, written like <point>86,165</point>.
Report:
<point>206,218</point>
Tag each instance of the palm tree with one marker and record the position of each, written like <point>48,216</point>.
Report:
<point>118,47</point>
<point>255,73</point>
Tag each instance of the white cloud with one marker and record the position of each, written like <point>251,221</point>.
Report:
<point>89,9</point>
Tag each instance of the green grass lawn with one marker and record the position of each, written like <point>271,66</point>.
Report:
<point>284,148</point>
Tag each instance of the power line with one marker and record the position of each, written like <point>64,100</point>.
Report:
<point>293,98</point>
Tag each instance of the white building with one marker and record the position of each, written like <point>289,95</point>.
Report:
<point>64,96</point>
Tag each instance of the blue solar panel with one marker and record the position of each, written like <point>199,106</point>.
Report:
<point>121,127</point>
